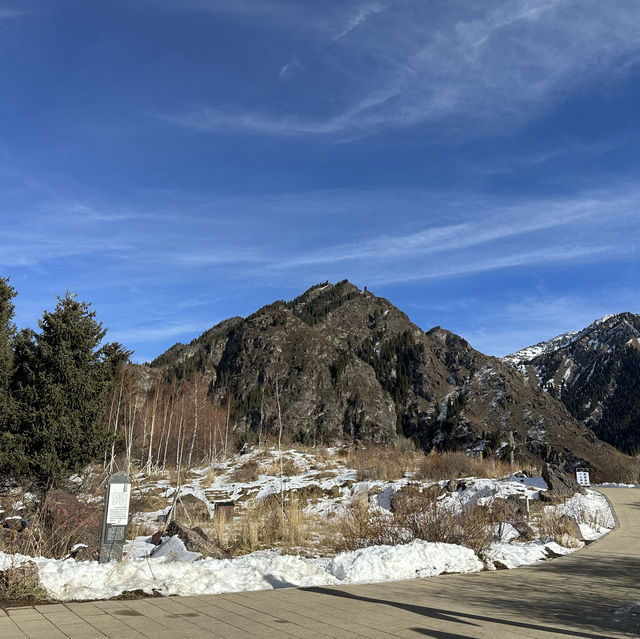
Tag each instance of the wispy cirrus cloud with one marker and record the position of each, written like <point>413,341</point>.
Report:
<point>487,235</point>
<point>7,14</point>
<point>267,237</point>
<point>359,18</point>
<point>492,64</point>
<point>153,332</point>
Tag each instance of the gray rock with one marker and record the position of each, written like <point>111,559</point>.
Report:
<point>195,540</point>
<point>559,482</point>
<point>15,523</point>
<point>522,527</point>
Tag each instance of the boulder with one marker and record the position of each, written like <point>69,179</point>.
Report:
<point>156,538</point>
<point>194,507</point>
<point>195,540</point>
<point>509,507</point>
<point>572,527</point>
<point>522,527</point>
<point>18,524</point>
<point>559,482</point>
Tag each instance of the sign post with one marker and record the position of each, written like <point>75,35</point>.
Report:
<point>116,516</point>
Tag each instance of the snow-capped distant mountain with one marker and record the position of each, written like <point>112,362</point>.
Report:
<point>552,345</point>
<point>595,373</point>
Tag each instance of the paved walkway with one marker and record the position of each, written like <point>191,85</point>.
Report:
<point>591,594</point>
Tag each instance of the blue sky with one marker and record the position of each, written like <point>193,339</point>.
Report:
<point>178,162</point>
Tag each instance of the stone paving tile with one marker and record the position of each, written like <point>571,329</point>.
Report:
<point>81,631</point>
<point>9,630</point>
<point>84,608</point>
<point>48,608</point>
<point>36,629</point>
<point>114,629</point>
<point>24,613</point>
<point>184,622</point>
<point>310,614</point>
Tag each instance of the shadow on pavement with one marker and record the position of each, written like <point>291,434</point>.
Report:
<point>535,609</point>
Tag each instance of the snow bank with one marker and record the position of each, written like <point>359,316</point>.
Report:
<point>390,563</point>
<point>523,554</point>
<point>69,580</point>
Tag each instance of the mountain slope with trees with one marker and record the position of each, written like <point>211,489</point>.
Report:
<point>594,373</point>
<point>337,363</point>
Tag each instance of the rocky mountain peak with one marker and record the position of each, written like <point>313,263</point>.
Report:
<point>341,364</point>
<point>594,373</point>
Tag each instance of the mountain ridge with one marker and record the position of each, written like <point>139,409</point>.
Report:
<point>338,363</point>
<point>594,374</point>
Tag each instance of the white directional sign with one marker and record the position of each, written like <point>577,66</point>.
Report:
<point>582,476</point>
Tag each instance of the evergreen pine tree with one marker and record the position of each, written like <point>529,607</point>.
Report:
<point>7,334</point>
<point>60,382</point>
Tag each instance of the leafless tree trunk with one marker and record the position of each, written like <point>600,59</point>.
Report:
<point>115,425</point>
<point>154,408</point>
<point>226,430</point>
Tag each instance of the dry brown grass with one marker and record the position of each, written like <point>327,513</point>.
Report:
<point>209,477</point>
<point>264,524</point>
<point>451,465</point>
<point>416,515</point>
<point>267,523</point>
<point>289,467</point>
<point>20,585</point>
<point>41,540</point>
<point>385,463</point>
<point>147,502</point>
<point>555,526</point>
<point>248,472</point>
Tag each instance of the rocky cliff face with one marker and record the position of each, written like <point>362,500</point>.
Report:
<point>338,363</point>
<point>595,373</point>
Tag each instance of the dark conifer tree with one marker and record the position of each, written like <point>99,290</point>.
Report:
<point>60,383</point>
<point>7,334</point>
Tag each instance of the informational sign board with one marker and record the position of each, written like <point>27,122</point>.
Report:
<point>118,504</point>
<point>582,476</point>
<point>116,517</point>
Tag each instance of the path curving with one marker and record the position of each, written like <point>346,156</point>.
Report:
<point>591,594</point>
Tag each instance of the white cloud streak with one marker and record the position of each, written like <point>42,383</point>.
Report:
<point>492,64</point>
<point>488,226</point>
<point>8,14</point>
<point>359,19</point>
<point>153,333</point>
<point>267,239</point>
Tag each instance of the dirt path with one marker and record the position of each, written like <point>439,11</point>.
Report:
<point>593,593</point>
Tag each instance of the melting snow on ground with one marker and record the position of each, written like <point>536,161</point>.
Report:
<point>175,571</point>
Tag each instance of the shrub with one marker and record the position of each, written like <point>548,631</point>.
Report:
<point>383,463</point>
<point>449,465</point>
<point>360,527</point>
<point>20,585</point>
<point>55,526</point>
<point>249,471</point>
<point>416,515</point>
<point>554,525</point>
